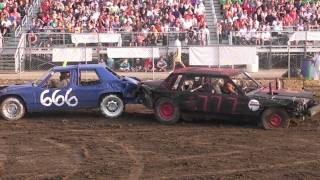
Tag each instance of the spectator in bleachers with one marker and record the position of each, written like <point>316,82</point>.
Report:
<point>6,25</point>
<point>162,65</point>
<point>124,66</point>
<point>11,14</point>
<point>32,38</point>
<point>276,15</point>
<point>147,66</point>
<point>138,65</point>
<point>153,18</point>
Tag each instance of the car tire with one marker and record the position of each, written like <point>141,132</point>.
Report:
<point>12,109</point>
<point>167,111</point>
<point>111,106</point>
<point>274,119</point>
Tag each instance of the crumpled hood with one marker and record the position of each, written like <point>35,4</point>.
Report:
<point>154,84</point>
<point>283,93</point>
<point>131,80</point>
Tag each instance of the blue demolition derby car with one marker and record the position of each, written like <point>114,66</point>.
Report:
<point>69,88</point>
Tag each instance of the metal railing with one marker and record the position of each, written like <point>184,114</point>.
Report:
<point>274,38</point>
<point>27,17</point>
<point>20,52</point>
<point>58,39</point>
<point>24,22</point>
<point>126,39</point>
<point>215,20</point>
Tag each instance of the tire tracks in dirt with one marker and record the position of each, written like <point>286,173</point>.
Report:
<point>242,170</point>
<point>137,169</point>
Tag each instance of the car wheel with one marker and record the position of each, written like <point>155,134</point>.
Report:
<point>166,111</point>
<point>274,119</point>
<point>12,109</point>
<point>111,106</point>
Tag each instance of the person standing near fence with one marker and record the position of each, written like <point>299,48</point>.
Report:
<point>177,54</point>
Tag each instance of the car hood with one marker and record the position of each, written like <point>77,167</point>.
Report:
<point>15,87</point>
<point>131,80</point>
<point>284,94</point>
<point>153,84</point>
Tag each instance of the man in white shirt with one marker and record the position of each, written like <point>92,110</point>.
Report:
<point>177,53</point>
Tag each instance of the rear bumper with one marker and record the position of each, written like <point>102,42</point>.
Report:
<point>314,110</point>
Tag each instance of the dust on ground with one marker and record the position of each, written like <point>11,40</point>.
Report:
<point>85,145</point>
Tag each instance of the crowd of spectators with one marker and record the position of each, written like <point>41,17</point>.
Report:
<point>260,20</point>
<point>11,14</point>
<point>149,20</point>
<point>137,65</point>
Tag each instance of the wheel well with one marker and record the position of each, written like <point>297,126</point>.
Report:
<point>16,96</point>
<point>157,99</point>
<point>278,108</point>
<point>109,93</point>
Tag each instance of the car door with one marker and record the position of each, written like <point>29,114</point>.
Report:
<point>88,88</point>
<point>233,103</point>
<point>192,96</point>
<point>48,96</point>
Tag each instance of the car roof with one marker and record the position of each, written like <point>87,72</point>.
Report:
<point>80,66</point>
<point>208,71</point>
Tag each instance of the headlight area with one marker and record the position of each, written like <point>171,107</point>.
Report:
<point>301,107</point>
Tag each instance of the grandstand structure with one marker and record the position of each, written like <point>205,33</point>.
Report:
<point>30,45</point>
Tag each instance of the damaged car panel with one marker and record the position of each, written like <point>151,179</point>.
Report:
<point>223,93</point>
<point>70,88</point>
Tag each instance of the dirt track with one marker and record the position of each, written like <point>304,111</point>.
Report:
<point>84,145</point>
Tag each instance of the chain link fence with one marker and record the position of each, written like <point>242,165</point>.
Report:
<point>36,53</point>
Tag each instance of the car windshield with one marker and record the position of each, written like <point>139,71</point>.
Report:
<point>42,77</point>
<point>245,82</point>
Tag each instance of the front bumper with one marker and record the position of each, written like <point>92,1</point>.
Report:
<point>314,110</point>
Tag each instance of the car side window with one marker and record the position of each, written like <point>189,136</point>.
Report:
<point>58,80</point>
<point>190,83</point>
<point>88,78</point>
<point>229,87</point>
<point>212,84</point>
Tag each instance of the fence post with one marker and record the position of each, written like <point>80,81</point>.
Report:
<point>85,52</point>
<point>270,57</point>
<point>19,61</point>
<point>289,62</point>
<point>218,47</point>
<point>152,64</point>
<point>64,39</point>
<point>99,46</point>
<point>305,45</point>
<point>230,38</point>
